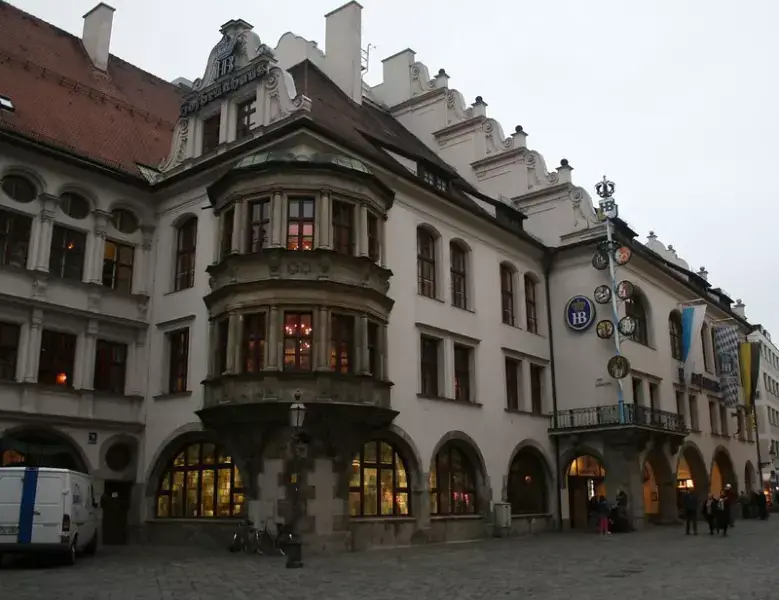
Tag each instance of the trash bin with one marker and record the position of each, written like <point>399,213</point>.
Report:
<point>502,518</point>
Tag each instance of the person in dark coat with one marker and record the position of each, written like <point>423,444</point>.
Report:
<point>723,513</point>
<point>691,512</point>
<point>710,513</point>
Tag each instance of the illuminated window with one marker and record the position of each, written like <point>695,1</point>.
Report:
<point>586,466</point>
<point>452,483</point>
<point>186,245</point>
<point>200,482</point>
<point>298,341</point>
<point>300,224</point>
<point>118,267</point>
<point>58,357</point>
<point>66,259</point>
<point>379,483</point>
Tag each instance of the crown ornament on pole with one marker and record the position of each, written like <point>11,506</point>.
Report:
<point>605,188</point>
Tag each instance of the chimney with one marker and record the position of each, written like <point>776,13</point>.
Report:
<point>97,34</point>
<point>740,309</point>
<point>343,48</point>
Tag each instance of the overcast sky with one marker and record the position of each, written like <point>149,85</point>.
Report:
<point>675,100</point>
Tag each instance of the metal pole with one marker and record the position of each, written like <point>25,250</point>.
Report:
<point>761,483</point>
<point>295,545</point>
<point>615,316</point>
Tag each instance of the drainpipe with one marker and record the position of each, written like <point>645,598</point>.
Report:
<point>548,263</point>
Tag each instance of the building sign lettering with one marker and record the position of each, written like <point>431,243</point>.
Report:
<point>198,100</point>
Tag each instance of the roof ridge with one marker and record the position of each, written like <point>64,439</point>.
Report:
<point>78,39</point>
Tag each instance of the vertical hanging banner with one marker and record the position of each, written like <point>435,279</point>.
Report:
<point>692,321</point>
<point>726,349</point>
<point>749,355</point>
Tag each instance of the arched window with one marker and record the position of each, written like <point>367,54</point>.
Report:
<point>426,267</point>
<point>675,332</point>
<point>124,221</point>
<point>452,483</point>
<point>19,188</point>
<point>74,205</point>
<point>531,308</point>
<point>200,482</point>
<point>527,491</point>
<point>379,483</point>
<point>507,293</point>
<point>186,242</point>
<point>634,307</point>
<point>458,258</point>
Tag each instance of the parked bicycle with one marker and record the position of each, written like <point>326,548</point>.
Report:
<point>269,540</point>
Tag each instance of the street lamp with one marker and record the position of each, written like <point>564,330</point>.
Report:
<point>297,414</point>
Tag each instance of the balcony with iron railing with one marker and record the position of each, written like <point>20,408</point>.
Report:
<point>599,418</point>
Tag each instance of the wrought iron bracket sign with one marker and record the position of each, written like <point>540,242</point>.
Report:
<point>602,294</point>
<point>618,367</point>
<point>605,329</point>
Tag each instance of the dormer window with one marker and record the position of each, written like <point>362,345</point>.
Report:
<point>244,122</point>
<point>211,133</point>
<point>432,178</point>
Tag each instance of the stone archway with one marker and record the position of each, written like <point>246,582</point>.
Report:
<point>750,478</point>
<point>659,488</point>
<point>691,473</point>
<point>41,447</point>
<point>722,471</point>
<point>585,478</point>
<point>528,485</point>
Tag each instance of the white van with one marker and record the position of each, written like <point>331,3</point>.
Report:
<point>44,509</point>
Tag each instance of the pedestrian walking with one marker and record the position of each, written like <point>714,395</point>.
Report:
<point>691,512</point>
<point>710,513</point>
<point>723,513</point>
<point>604,508</point>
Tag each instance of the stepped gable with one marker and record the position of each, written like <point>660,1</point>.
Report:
<point>367,128</point>
<point>117,118</point>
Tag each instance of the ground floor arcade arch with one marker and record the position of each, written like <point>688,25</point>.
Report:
<point>750,478</point>
<point>41,447</point>
<point>691,474</point>
<point>585,480</point>
<point>658,488</point>
<point>722,471</point>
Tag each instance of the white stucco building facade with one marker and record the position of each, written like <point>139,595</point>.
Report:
<point>385,255</point>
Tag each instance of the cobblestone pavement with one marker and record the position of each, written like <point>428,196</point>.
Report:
<point>661,563</point>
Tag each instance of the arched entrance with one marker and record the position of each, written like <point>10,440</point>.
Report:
<point>585,478</point>
<point>527,487</point>
<point>750,479</point>
<point>691,474</point>
<point>41,448</point>
<point>722,471</point>
<point>658,489</point>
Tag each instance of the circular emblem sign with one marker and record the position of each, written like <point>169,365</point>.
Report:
<point>627,326</point>
<point>600,260</point>
<point>625,289</point>
<point>602,294</point>
<point>579,313</point>
<point>604,329</point>
<point>622,255</point>
<point>618,367</point>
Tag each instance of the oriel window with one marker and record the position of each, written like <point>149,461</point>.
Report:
<point>66,259</point>
<point>300,224</point>
<point>259,225</point>
<point>341,343</point>
<point>253,342</point>
<point>343,227</point>
<point>298,341</point>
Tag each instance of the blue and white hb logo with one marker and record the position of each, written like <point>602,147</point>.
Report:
<point>579,313</point>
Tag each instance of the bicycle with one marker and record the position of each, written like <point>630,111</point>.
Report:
<point>251,540</point>
<point>246,538</point>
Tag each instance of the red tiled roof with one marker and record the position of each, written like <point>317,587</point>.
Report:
<point>118,118</point>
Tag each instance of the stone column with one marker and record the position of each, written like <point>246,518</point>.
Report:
<point>34,346</point>
<point>84,368</point>
<point>277,219</point>
<point>232,336</point>
<point>362,354</point>
<point>526,400</point>
<point>362,230</point>
<point>382,241</point>
<point>420,506</point>
<point>623,472</point>
<point>45,229</point>
<point>143,263</point>
<point>238,227</point>
<point>98,247</point>
<point>323,231</point>
<point>274,342</point>
<point>213,340</point>
<point>322,340</point>
<point>135,365</point>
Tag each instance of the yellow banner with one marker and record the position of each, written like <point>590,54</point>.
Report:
<point>749,359</point>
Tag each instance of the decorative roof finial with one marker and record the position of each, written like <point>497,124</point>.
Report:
<point>605,188</point>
